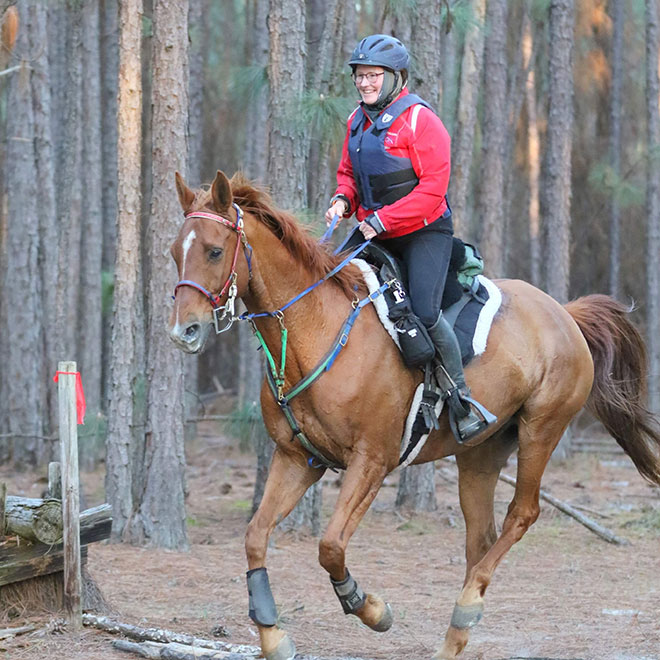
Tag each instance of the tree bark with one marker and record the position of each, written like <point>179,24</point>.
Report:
<point>286,75</point>
<point>466,118</point>
<point>557,216</point>
<point>69,187</point>
<point>45,170</point>
<point>128,326</point>
<point>90,344</point>
<point>557,187</point>
<point>22,287</point>
<point>160,517</point>
<point>616,107</point>
<point>286,154</point>
<point>653,203</point>
<point>109,10</point>
<point>256,151</point>
<point>416,490</point>
<point>533,154</point>
<point>495,125</point>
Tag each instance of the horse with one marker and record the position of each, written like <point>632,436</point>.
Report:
<point>543,363</point>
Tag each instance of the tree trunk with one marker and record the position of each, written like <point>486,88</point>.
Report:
<point>128,326</point>
<point>653,203</point>
<point>416,490</point>
<point>463,139</point>
<point>286,74</point>
<point>48,229</point>
<point>426,75</point>
<point>22,294</point>
<point>557,186</point>
<point>109,10</point>
<point>69,187</point>
<point>256,151</point>
<point>160,517</point>
<point>109,25</point>
<point>616,106</point>
<point>449,91</point>
<point>495,125</point>
<point>90,345</point>
<point>533,155</point>
<point>286,154</point>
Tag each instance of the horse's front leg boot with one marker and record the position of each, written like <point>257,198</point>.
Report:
<point>467,616</point>
<point>262,608</point>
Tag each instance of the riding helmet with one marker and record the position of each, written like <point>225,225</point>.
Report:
<point>381,50</point>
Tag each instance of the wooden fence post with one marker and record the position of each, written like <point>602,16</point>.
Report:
<point>70,492</point>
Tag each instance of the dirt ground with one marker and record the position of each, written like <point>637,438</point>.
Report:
<point>561,593</point>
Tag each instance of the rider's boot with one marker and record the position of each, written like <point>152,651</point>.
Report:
<point>467,417</point>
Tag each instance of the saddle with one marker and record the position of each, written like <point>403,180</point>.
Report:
<point>463,299</point>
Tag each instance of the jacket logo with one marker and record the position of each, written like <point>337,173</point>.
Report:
<point>387,118</point>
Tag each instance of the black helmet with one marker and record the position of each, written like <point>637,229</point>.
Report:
<point>381,50</point>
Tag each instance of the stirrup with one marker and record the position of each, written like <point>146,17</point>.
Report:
<point>473,422</point>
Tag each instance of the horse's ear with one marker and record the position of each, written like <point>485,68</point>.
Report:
<point>186,196</point>
<point>221,192</point>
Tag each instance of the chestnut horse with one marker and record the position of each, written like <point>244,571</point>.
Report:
<point>543,363</point>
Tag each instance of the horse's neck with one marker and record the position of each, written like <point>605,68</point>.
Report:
<point>278,278</point>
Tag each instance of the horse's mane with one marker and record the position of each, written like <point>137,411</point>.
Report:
<point>294,236</point>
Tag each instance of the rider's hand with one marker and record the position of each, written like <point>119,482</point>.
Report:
<point>367,230</point>
<point>338,208</point>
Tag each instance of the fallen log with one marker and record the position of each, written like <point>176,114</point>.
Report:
<point>33,519</point>
<point>590,524</point>
<point>22,562</point>
<point>164,636</point>
<point>7,633</point>
<point>162,643</point>
<point>174,651</point>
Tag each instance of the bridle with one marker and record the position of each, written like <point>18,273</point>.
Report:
<point>221,312</point>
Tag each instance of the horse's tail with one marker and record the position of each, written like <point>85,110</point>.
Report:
<point>619,390</point>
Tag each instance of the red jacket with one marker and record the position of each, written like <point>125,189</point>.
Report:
<point>419,135</point>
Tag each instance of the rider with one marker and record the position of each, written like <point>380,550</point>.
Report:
<point>394,174</point>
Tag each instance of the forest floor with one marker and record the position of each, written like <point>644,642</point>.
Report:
<point>561,593</point>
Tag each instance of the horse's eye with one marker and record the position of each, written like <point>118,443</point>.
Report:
<point>215,253</point>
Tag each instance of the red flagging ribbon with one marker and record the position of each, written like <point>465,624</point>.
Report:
<point>80,394</point>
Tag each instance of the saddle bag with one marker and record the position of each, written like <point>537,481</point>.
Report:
<point>417,346</point>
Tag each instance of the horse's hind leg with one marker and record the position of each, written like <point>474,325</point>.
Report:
<point>361,484</point>
<point>288,480</point>
<point>478,472</point>
<point>537,440</point>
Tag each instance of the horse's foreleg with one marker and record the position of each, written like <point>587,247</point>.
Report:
<point>361,484</point>
<point>288,480</point>
<point>534,452</point>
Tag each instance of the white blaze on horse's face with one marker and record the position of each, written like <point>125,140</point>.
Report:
<point>188,241</point>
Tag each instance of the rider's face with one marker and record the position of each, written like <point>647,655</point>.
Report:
<point>369,89</point>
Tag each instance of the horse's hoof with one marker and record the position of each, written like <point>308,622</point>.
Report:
<point>386,620</point>
<point>376,613</point>
<point>285,650</point>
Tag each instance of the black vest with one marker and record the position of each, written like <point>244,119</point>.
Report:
<point>381,178</point>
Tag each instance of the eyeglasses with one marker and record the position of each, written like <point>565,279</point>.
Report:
<point>371,77</point>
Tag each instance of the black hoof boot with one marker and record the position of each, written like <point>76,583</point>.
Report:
<point>467,417</point>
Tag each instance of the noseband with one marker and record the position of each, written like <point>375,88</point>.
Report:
<point>221,312</point>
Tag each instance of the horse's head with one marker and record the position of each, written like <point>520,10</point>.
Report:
<point>212,268</point>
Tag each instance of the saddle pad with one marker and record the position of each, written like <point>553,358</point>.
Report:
<point>471,319</point>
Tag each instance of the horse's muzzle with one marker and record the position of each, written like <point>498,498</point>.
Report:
<point>190,337</point>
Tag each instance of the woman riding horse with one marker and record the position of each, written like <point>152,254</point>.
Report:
<point>394,174</point>
<point>542,363</point>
